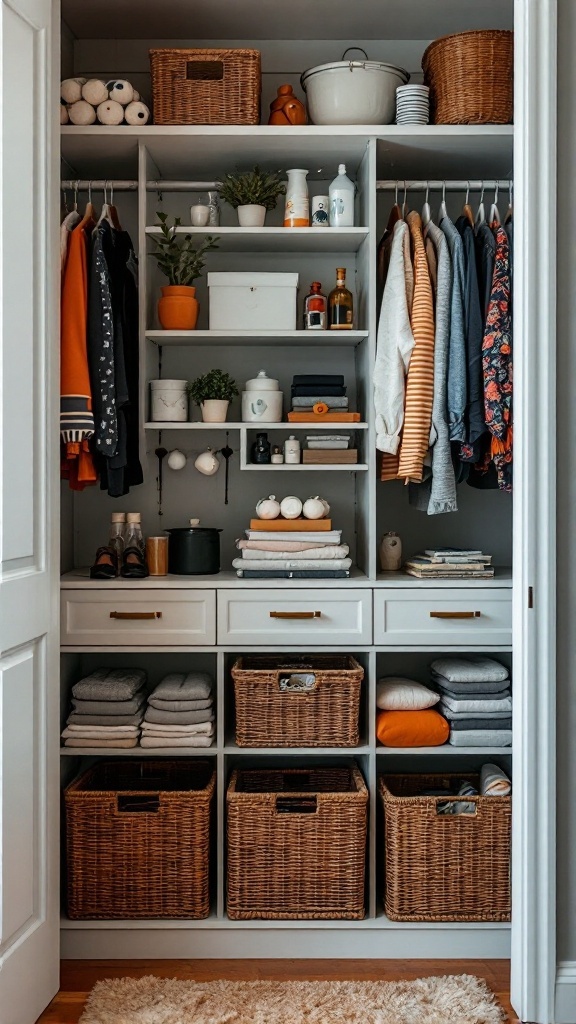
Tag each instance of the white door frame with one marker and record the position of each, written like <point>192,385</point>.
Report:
<point>534,548</point>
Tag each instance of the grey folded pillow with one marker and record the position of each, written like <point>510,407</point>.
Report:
<point>110,684</point>
<point>470,668</point>
<point>181,686</point>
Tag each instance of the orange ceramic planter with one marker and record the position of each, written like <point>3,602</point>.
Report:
<point>178,309</point>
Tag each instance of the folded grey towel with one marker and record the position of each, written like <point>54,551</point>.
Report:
<point>108,707</point>
<point>180,705</point>
<point>76,719</point>
<point>470,668</point>
<point>179,686</point>
<point>485,722</point>
<point>187,741</point>
<point>481,738</point>
<point>110,684</point>
<point>178,717</point>
<point>454,716</point>
<point>467,689</point>
<point>493,781</point>
<point>484,706</point>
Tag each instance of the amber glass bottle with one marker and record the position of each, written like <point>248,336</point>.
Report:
<point>340,304</point>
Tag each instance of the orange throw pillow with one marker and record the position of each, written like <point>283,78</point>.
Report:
<point>412,728</point>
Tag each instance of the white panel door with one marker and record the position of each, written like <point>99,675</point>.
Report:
<point>29,801</point>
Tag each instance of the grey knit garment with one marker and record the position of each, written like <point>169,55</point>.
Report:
<point>478,688</point>
<point>437,492</point>
<point>471,668</point>
<point>457,392</point>
<point>480,738</point>
<point>110,684</point>
<point>181,686</point>
<point>180,705</point>
<point>108,707</point>
<point>177,717</point>
<point>481,723</point>
<point>75,719</point>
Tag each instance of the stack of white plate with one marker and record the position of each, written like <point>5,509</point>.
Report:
<point>412,104</point>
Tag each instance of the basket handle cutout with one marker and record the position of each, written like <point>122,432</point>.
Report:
<point>297,682</point>
<point>204,70</point>
<point>296,805</point>
<point>134,803</point>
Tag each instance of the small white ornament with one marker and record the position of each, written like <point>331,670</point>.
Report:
<point>82,113</point>
<point>64,115</point>
<point>94,91</point>
<point>71,89</point>
<point>110,112</point>
<point>268,508</point>
<point>120,90</point>
<point>315,508</point>
<point>291,507</point>
<point>207,463</point>
<point>137,113</point>
<point>176,459</point>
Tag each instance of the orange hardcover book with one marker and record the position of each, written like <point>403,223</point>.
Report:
<point>296,525</point>
<point>327,417</point>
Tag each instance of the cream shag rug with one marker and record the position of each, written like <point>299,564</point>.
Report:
<point>460,999</point>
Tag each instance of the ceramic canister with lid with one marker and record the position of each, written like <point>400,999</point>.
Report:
<point>262,400</point>
<point>168,401</point>
<point>194,550</point>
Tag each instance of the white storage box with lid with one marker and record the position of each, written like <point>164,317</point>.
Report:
<point>252,301</point>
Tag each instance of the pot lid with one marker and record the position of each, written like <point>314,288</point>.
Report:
<point>262,383</point>
<point>355,65</point>
<point>194,527</point>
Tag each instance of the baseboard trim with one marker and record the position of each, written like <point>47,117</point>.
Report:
<point>565,999</point>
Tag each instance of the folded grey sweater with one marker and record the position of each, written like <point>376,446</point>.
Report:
<point>473,686</point>
<point>181,686</point>
<point>75,719</point>
<point>470,668</point>
<point>178,717</point>
<point>108,707</point>
<point>481,738</point>
<point>485,722</point>
<point>483,706</point>
<point>110,684</point>
<point>180,705</point>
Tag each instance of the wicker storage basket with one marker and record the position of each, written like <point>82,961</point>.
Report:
<point>471,78</point>
<point>296,843</point>
<point>444,867</point>
<point>206,86</point>
<point>138,839</point>
<point>320,709</point>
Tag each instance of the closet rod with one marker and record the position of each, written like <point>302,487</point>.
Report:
<point>99,184</point>
<point>475,185</point>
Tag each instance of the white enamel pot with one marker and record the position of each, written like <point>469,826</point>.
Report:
<point>353,92</point>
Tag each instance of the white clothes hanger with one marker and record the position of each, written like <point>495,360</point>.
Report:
<point>481,214</point>
<point>443,210</point>
<point>494,211</point>
<point>426,212</point>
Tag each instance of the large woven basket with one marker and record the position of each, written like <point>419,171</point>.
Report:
<point>138,839</point>
<point>206,86</point>
<point>320,708</point>
<point>471,78</point>
<point>444,867</point>
<point>296,843</point>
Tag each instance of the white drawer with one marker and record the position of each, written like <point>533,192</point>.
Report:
<point>148,618</point>
<point>443,616</point>
<point>274,617</point>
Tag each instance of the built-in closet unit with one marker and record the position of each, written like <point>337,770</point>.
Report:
<point>382,619</point>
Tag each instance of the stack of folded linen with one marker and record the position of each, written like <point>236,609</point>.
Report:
<point>450,564</point>
<point>107,708</point>
<point>287,554</point>
<point>475,699</point>
<point>310,389</point>
<point>180,712</point>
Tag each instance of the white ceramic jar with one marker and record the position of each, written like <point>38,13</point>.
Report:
<point>262,400</point>
<point>168,401</point>
<point>292,450</point>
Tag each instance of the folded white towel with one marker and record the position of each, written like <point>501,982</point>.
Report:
<point>493,781</point>
<point>182,741</point>
<point>104,744</point>
<point>99,734</point>
<point>167,731</point>
<point>112,731</point>
<point>283,545</point>
<point>327,551</point>
<point>293,563</point>
<point>480,705</point>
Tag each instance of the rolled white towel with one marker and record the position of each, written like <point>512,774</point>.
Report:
<point>82,113</point>
<point>493,781</point>
<point>110,112</point>
<point>71,89</point>
<point>137,113</point>
<point>94,91</point>
<point>120,90</point>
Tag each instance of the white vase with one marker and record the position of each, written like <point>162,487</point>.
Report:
<point>251,216</point>
<point>168,401</point>
<point>214,410</point>
<point>297,209</point>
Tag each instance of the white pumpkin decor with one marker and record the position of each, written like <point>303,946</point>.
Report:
<point>268,508</point>
<point>115,102</point>
<point>176,459</point>
<point>291,507</point>
<point>315,508</point>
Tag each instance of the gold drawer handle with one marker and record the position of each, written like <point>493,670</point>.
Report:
<point>455,615</point>
<point>135,615</point>
<point>295,615</point>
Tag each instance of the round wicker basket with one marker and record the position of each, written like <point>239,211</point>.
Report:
<point>471,78</point>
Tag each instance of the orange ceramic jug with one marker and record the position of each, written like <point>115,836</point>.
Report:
<point>287,108</point>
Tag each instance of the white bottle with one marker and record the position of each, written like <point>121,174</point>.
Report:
<point>292,450</point>
<point>341,193</point>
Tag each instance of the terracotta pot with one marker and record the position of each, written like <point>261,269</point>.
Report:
<point>178,309</point>
<point>214,410</point>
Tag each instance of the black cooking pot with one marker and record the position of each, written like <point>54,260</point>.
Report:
<point>194,551</point>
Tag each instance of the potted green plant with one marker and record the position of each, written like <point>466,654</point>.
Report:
<point>252,194</point>
<point>213,392</point>
<point>181,262</point>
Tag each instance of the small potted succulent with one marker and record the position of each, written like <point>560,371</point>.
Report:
<point>181,262</point>
<point>252,194</point>
<point>213,393</point>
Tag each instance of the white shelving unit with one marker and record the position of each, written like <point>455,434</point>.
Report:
<point>327,339</point>
<point>281,240</point>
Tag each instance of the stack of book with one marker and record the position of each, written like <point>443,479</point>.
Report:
<point>450,564</point>
<point>320,396</point>
<point>292,549</point>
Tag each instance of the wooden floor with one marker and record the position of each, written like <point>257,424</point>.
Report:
<point>78,976</point>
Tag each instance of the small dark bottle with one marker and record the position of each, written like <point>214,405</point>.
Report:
<point>260,450</point>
